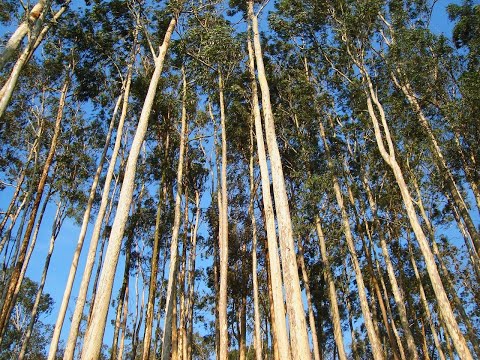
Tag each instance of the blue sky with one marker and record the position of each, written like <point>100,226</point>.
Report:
<point>67,238</point>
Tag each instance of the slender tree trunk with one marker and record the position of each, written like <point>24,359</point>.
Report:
<point>37,36</point>
<point>389,157</point>
<point>223,238</point>
<point>22,30</point>
<point>271,302</point>
<point>191,277</point>
<point>181,278</point>
<point>332,292</point>
<point>426,308</point>
<point>311,317</point>
<point>122,298</point>
<point>299,336</point>
<point>11,296</point>
<point>372,335</point>
<point>95,331</point>
<point>441,162</point>
<point>124,325</point>
<point>171,302</point>
<point>251,210</point>
<point>281,341</point>
<point>397,294</point>
<point>152,288</point>
<point>81,299</point>
<point>57,223</point>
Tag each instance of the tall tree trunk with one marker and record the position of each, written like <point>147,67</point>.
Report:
<point>191,277</point>
<point>299,336</point>
<point>372,335</point>
<point>122,297</point>
<point>447,175</point>
<point>311,317</point>
<point>332,292</point>
<point>10,299</point>
<point>397,294</point>
<point>171,302</point>
<point>426,307</point>
<point>223,238</point>
<point>389,157</point>
<point>256,309</point>
<point>57,224</point>
<point>152,288</point>
<point>95,331</point>
<point>37,36</point>
<point>123,325</point>
<point>278,314</point>
<point>35,17</point>
<point>80,303</point>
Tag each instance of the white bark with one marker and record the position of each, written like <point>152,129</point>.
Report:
<point>171,302</point>
<point>278,314</point>
<point>95,330</point>
<point>296,316</point>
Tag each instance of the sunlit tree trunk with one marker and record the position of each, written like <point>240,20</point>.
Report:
<point>37,36</point>
<point>191,278</point>
<point>447,175</point>
<point>11,294</point>
<point>152,288</point>
<point>95,331</point>
<point>332,292</point>
<point>57,224</point>
<point>311,317</point>
<point>279,329</point>
<point>36,14</point>
<point>389,158</point>
<point>81,299</point>
<point>426,307</point>
<point>251,210</point>
<point>298,328</point>
<point>171,303</point>
<point>372,335</point>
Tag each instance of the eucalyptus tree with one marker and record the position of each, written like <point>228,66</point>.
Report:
<point>210,43</point>
<point>95,330</point>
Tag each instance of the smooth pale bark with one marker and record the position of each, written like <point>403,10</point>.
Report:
<point>86,216</point>
<point>152,288</point>
<point>123,326</point>
<point>92,250</point>
<point>426,307</point>
<point>273,325</point>
<point>469,174</point>
<point>37,36</point>
<point>33,153</point>
<point>191,277</point>
<point>171,303</point>
<point>389,157</point>
<point>276,283</point>
<point>346,299</point>
<point>256,308</point>
<point>311,317</point>
<point>122,298</point>
<point>471,333</point>
<point>300,348</point>
<point>223,238</point>
<point>397,294</point>
<point>57,223</point>
<point>9,301</point>
<point>181,277</point>
<point>372,334</point>
<point>441,162</point>
<point>332,292</point>
<point>22,30</point>
<point>95,331</point>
